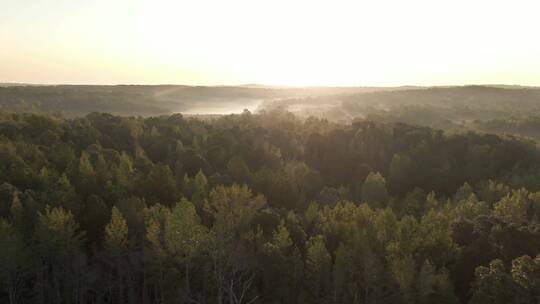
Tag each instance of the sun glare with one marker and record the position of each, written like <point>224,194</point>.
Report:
<point>272,42</point>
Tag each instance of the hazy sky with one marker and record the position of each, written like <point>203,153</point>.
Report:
<point>287,42</point>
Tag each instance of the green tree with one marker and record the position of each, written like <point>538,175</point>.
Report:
<point>184,238</point>
<point>160,185</point>
<point>200,188</point>
<point>318,269</point>
<point>492,285</point>
<point>426,282</point>
<point>238,170</point>
<point>14,261</point>
<point>374,191</point>
<point>233,210</point>
<point>400,173</point>
<point>64,195</point>
<point>156,218</point>
<point>513,208</point>
<point>116,246</point>
<point>86,175</point>
<point>526,273</point>
<point>281,265</point>
<point>463,193</point>
<point>61,268</point>
<point>358,273</point>
<point>404,273</point>
<point>116,233</point>
<point>124,174</point>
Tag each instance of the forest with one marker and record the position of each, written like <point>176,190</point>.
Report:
<point>272,206</point>
<point>502,110</point>
<point>145,100</point>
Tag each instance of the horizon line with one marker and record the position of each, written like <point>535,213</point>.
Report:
<point>259,85</point>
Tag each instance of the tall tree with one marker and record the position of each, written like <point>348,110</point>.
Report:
<point>493,285</point>
<point>185,237</point>
<point>281,265</point>
<point>61,274</point>
<point>116,246</point>
<point>318,269</point>
<point>374,190</point>
<point>14,261</point>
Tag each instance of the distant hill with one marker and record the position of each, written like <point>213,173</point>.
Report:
<point>15,84</point>
<point>143,100</point>
<point>337,103</point>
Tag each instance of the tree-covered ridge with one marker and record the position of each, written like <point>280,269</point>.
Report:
<point>263,208</point>
<point>144,100</point>
<point>492,109</point>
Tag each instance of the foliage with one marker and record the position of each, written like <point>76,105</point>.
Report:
<point>263,208</point>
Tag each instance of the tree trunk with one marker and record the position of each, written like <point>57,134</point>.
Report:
<point>218,282</point>
<point>188,291</point>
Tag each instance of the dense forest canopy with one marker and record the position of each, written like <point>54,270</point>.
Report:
<point>144,100</point>
<point>500,110</point>
<point>492,109</point>
<point>264,208</point>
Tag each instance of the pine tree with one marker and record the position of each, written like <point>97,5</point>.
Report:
<point>374,191</point>
<point>318,269</point>
<point>116,233</point>
<point>14,261</point>
<point>116,246</point>
<point>426,282</point>
<point>280,261</point>
<point>58,242</point>
<point>200,185</point>
<point>86,174</point>
<point>404,273</point>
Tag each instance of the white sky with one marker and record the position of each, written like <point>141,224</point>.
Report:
<point>283,42</point>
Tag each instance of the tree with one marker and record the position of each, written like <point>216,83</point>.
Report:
<point>238,170</point>
<point>178,239</point>
<point>93,218</point>
<point>374,191</point>
<point>444,288</point>
<point>184,237</point>
<point>124,173</point>
<point>200,188</point>
<point>7,195</point>
<point>526,273</point>
<point>434,286</point>
<point>358,273</point>
<point>14,261</point>
<point>426,282</point>
<point>86,174</point>
<point>58,243</point>
<point>156,218</point>
<point>404,271</point>
<point>160,185</point>
<point>400,173</point>
<point>132,210</point>
<point>116,246</point>
<point>280,261</point>
<point>513,208</point>
<point>414,203</point>
<point>340,273</point>
<point>116,233</point>
<point>232,210</point>
<point>463,193</point>
<point>492,285</point>
<point>491,191</point>
<point>318,269</point>
<point>64,195</point>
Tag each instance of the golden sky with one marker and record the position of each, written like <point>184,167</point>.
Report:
<point>280,42</point>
